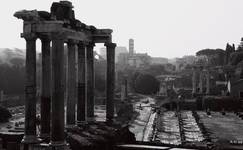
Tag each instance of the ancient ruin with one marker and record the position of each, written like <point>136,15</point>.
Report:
<point>54,29</point>
<point>200,79</point>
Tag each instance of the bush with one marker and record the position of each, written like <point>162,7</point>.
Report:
<point>146,84</point>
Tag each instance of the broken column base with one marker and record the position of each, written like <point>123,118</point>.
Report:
<point>30,139</point>
<point>45,138</point>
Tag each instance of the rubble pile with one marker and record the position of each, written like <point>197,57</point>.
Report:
<point>98,136</point>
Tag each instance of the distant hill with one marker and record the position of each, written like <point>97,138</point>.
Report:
<point>11,56</point>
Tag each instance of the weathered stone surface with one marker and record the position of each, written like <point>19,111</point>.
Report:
<point>71,101</point>
<point>98,136</point>
<point>57,97</point>
<point>45,87</point>
<point>110,81</point>
<point>81,102</point>
<point>27,15</point>
<point>90,81</point>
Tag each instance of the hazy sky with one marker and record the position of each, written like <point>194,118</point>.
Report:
<point>165,28</point>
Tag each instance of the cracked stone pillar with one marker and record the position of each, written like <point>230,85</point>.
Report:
<point>90,82</point>
<point>45,88</point>
<point>71,100</point>
<point>57,97</point>
<point>30,90</point>
<point>81,103</point>
<point>110,81</point>
<point>194,85</point>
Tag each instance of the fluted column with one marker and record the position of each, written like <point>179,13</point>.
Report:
<point>46,87</point>
<point>71,100</point>
<point>82,101</point>
<point>90,82</point>
<point>30,90</point>
<point>57,97</point>
<point>110,81</point>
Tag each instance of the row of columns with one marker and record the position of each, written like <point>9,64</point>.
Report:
<point>199,77</point>
<point>52,96</point>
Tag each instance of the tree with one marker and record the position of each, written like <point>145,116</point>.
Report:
<point>236,57</point>
<point>132,80</point>
<point>17,62</point>
<point>155,70</point>
<point>216,57</point>
<point>229,50</point>
<point>100,75</point>
<point>146,84</point>
<point>100,83</point>
<point>5,115</point>
<point>12,79</point>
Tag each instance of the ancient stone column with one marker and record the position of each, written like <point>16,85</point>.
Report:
<point>71,87</point>
<point>81,103</point>
<point>110,81</point>
<point>46,87</point>
<point>90,82</point>
<point>57,97</point>
<point>207,82</point>
<point>194,85</point>
<point>30,90</point>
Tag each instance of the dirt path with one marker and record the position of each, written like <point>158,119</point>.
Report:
<point>142,125</point>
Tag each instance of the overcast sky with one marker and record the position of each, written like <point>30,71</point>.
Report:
<point>164,28</point>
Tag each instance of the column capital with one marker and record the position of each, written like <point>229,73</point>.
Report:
<point>81,46</point>
<point>45,37</point>
<point>29,36</point>
<point>90,44</point>
<point>83,43</point>
<point>72,42</point>
<point>57,36</point>
<point>112,45</point>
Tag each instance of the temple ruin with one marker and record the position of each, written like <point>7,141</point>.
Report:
<point>54,29</point>
<point>200,79</point>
